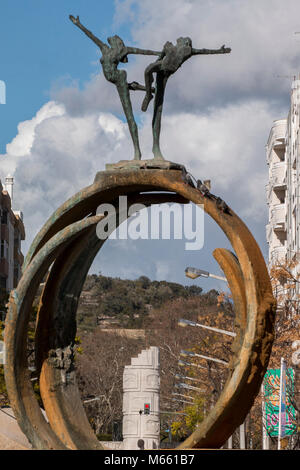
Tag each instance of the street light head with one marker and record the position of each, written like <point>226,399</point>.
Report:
<point>183,364</point>
<point>191,275</point>
<point>194,272</point>
<point>181,385</point>
<point>183,322</point>
<point>186,353</point>
<point>177,376</point>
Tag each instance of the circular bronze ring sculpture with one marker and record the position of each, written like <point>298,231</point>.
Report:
<point>68,244</point>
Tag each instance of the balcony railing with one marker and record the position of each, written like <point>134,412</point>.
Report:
<point>268,232</point>
<point>278,215</point>
<point>278,175</point>
<point>277,255</point>
<point>279,131</point>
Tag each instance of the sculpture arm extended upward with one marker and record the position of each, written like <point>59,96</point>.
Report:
<point>222,50</point>
<point>96,40</point>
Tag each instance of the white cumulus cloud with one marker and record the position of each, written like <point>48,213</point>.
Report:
<point>217,114</point>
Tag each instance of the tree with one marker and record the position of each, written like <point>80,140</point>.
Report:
<point>3,302</point>
<point>284,279</point>
<point>171,339</point>
<point>100,375</point>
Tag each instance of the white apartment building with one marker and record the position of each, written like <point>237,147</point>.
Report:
<point>283,188</point>
<point>11,233</point>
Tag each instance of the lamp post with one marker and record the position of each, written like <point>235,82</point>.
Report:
<point>91,399</point>
<point>184,396</point>
<point>208,358</point>
<point>193,273</point>
<point>189,387</point>
<point>184,364</point>
<point>177,376</point>
<point>183,322</point>
<point>182,401</point>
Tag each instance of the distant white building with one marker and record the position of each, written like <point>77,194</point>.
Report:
<point>11,233</point>
<point>283,158</point>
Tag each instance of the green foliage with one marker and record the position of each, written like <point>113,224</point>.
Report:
<point>177,429</point>
<point>195,413</point>
<point>104,437</point>
<point>144,281</point>
<point>126,301</point>
<point>3,300</point>
<point>3,391</point>
<point>1,330</point>
<point>37,393</point>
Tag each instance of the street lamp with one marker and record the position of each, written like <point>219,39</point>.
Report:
<point>90,399</point>
<point>182,401</point>
<point>193,273</point>
<point>177,376</point>
<point>189,387</point>
<point>173,412</point>
<point>208,358</point>
<point>184,364</point>
<point>184,396</point>
<point>183,322</point>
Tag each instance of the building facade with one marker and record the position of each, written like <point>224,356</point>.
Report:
<point>283,188</point>
<point>276,229</point>
<point>12,232</point>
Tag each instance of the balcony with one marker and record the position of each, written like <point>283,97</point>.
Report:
<point>278,218</point>
<point>269,230</point>
<point>278,254</point>
<point>269,189</point>
<point>279,129</point>
<point>278,175</point>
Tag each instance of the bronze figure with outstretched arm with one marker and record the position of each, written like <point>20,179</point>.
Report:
<point>112,55</point>
<point>171,58</point>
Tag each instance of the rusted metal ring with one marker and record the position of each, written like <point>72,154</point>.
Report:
<point>68,241</point>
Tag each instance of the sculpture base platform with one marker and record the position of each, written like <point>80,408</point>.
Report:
<point>152,164</point>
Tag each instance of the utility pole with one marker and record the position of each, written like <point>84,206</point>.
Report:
<point>296,364</point>
<point>265,440</point>
<point>242,436</point>
<point>282,402</point>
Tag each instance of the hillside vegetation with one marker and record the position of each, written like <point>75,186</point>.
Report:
<point>112,302</point>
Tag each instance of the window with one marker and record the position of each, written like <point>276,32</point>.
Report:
<point>3,249</point>
<point>17,241</point>
<point>4,214</point>
<point>17,272</point>
<point>3,282</point>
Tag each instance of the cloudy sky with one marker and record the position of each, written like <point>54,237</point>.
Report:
<point>62,120</point>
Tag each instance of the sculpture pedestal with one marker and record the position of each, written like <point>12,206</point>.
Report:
<point>153,163</point>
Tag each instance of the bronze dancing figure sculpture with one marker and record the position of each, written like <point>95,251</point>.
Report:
<point>112,55</point>
<point>170,60</point>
